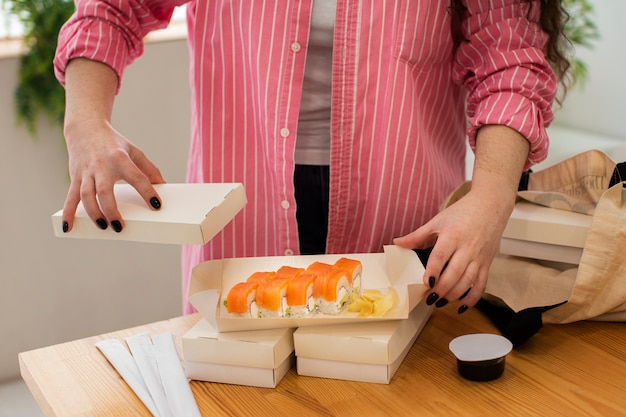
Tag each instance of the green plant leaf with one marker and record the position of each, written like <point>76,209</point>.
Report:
<point>38,92</point>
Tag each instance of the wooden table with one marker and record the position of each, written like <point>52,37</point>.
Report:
<point>571,370</point>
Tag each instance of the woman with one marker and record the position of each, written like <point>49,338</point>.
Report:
<point>345,120</point>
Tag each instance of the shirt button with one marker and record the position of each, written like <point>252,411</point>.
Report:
<point>285,204</point>
<point>288,252</point>
<point>295,47</point>
<point>284,132</point>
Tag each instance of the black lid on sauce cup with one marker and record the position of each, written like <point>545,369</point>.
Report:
<point>480,356</point>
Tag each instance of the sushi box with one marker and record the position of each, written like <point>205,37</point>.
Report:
<point>396,268</point>
<point>365,352</point>
<point>545,233</point>
<point>189,214</point>
<point>258,358</point>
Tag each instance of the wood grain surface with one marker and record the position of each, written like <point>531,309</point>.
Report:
<point>565,370</point>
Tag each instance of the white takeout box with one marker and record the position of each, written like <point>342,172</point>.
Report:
<point>365,352</point>
<point>259,358</point>
<point>189,214</point>
<point>539,232</point>
<point>396,267</point>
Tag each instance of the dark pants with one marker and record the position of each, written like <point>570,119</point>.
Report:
<point>311,184</point>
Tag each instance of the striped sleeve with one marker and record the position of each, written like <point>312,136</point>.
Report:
<point>109,31</point>
<point>504,68</point>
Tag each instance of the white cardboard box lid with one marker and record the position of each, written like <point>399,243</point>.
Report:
<point>238,375</point>
<point>256,348</point>
<point>397,267</point>
<point>376,343</point>
<point>189,214</point>
<point>536,223</point>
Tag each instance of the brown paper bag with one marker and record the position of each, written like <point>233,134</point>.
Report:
<point>593,290</point>
<point>574,184</point>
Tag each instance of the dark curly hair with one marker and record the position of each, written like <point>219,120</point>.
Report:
<point>552,21</point>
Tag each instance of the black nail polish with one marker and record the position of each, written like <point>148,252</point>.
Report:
<point>102,224</point>
<point>442,302</point>
<point>431,281</point>
<point>66,227</point>
<point>155,203</point>
<point>462,309</point>
<point>432,298</point>
<point>116,225</point>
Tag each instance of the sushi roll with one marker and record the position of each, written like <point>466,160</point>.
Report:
<point>288,272</point>
<point>241,299</point>
<point>300,300</point>
<point>260,276</point>
<point>318,267</point>
<point>272,297</point>
<point>337,287</point>
<point>354,268</point>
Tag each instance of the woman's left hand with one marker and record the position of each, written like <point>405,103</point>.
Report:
<point>467,233</point>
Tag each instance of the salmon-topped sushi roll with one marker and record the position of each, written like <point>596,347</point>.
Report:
<point>318,267</point>
<point>272,297</point>
<point>288,272</point>
<point>319,285</point>
<point>241,299</point>
<point>300,300</point>
<point>337,290</point>
<point>354,268</point>
<point>260,278</point>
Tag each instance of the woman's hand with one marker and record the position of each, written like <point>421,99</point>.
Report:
<point>467,233</point>
<point>98,155</point>
<point>98,158</point>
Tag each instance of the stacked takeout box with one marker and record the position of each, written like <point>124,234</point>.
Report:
<point>260,351</point>
<point>544,233</point>
<point>343,346</point>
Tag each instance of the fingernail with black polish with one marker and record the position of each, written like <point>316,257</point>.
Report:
<point>102,224</point>
<point>431,281</point>
<point>155,203</point>
<point>462,309</point>
<point>465,293</point>
<point>432,298</point>
<point>442,302</point>
<point>116,225</point>
<point>66,227</point>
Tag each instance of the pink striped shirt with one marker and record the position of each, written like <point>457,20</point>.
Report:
<point>400,105</point>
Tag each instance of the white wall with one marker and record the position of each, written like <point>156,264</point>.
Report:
<point>593,114</point>
<point>56,289</point>
<point>600,106</point>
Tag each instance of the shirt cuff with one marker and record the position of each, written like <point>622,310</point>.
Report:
<point>518,113</point>
<point>97,40</point>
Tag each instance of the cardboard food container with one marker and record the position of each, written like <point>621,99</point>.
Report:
<point>365,352</point>
<point>539,232</point>
<point>190,214</point>
<point>212,280</point>
<point>258,358</point>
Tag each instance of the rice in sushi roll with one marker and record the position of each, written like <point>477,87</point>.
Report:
<point>333,291</point>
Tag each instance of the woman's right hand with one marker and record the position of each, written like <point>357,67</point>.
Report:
<point>98,158</point>
<point>98,155</point>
